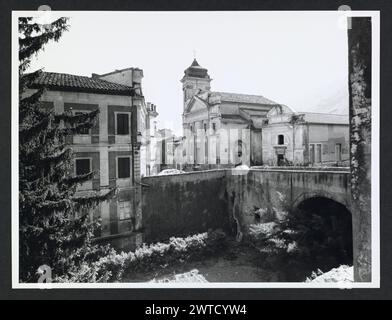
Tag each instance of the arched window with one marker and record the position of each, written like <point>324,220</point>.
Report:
<point>281,139</point>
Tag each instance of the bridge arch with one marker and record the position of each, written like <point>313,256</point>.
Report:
<point>320,194</point>
<point>329,221</point>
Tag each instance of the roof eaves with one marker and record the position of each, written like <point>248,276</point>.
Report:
<point>85,89</point>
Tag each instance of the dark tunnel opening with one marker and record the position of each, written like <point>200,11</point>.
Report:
<point>326,232</point>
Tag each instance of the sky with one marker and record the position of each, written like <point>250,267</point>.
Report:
<point>294,58</point>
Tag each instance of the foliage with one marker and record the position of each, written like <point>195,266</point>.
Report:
<point>54,223</point>
<point>114,265</point>
<point>303,240</point>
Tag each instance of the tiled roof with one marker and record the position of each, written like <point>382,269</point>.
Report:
<point>326,118</point>
<point>69,82</point>
<point>242,98</point>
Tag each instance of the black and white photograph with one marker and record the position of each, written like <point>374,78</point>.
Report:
<point>195,149</point>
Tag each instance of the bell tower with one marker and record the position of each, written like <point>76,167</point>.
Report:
<point>195,80</point>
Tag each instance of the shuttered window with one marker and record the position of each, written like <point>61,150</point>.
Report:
<point>82,130</point>
<point>124,167</point>
<point>82,166</point>
<point>122,123</point>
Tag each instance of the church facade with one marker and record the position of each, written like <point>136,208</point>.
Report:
<point>220,128</point>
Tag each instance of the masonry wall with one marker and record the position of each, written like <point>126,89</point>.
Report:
<point>274,191</point>
<point>184,204</point>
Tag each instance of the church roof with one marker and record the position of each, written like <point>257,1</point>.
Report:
<point>196,71</point>
<point>309,117</point>
<point>242,98</point>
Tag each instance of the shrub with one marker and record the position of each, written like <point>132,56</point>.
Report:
<point>303,239</point>
<point>148,257</point>
<point>156,255</point>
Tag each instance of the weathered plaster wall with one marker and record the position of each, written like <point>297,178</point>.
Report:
<point>256,154</point>
<point>293,136</point>
<point>329,135</point>
<point>183,204</point>
<point>103,160</point>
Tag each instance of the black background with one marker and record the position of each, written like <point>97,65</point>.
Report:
<point>385,292</point>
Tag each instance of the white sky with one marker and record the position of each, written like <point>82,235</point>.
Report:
<point>295,58</point>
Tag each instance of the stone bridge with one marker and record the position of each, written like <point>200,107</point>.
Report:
<point>276,189</point>
<point>178,205</point>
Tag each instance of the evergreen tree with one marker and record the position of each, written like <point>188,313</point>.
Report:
<point>54,223</point>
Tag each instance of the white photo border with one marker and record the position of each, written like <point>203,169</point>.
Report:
<point>375,174</point>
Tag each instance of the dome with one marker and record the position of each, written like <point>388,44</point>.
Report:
<point>196,71</point>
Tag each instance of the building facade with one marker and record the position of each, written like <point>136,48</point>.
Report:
<point>304,138</point>
<point>220,128</point>
<point>168,151</point>
<point>224,129</point>
<point>113,148</point>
